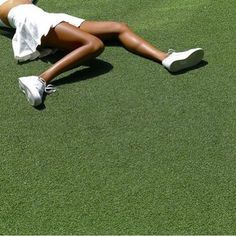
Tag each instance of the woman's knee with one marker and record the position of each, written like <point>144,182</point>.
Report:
<point>95,44</point>
<point>121,27</point>
<point>68,37</point>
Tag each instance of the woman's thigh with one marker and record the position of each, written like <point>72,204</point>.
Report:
<point>103,29</point>
<point>66,37</point>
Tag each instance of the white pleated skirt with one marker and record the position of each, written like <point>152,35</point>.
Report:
<point>31,24</point>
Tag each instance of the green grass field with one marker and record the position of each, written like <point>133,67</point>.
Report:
<point>124,147</point>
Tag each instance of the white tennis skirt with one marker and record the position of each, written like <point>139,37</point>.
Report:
<point>31,24</point>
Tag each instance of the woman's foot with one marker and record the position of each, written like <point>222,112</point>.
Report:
<point>34,87</point>
<point>177,61</point>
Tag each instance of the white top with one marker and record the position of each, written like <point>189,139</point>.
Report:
<point>2,1</point>
<point>1,23</point>
<point>31,23</point>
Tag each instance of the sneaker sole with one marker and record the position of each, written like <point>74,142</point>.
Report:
<point>33,97</point>
<point>191,59</point>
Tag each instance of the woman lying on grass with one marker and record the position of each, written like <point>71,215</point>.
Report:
<point>82,40</point>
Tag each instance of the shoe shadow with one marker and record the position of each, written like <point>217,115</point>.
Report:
<point>94,68</point>
<point>203,63</point>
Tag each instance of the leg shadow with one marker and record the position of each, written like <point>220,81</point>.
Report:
<point>94,68</point>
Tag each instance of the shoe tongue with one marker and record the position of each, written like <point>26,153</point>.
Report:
<point>42,81</point>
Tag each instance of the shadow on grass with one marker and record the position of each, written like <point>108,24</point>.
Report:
<point>7,32</point>
<point>94,68</point>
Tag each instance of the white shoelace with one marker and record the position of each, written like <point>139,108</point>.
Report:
<point>170,51</point>
<point>49,89</point>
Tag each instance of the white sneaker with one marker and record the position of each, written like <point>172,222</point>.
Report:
<point>177,61</point>
<point>33,87</point>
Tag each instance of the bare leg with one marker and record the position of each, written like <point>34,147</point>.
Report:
<point>86,42</point>
<point>80,45</point>
<point>120,31</point>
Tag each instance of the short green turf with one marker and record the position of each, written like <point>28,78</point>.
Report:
<point>124,147</point>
